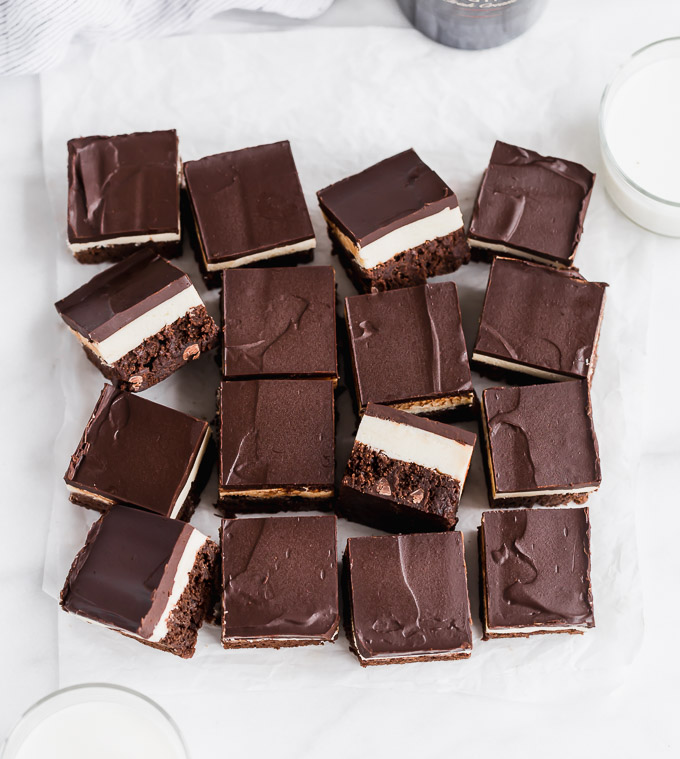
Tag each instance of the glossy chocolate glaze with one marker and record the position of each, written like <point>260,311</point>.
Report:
<point>279,322</point>
<point>408,344</point>
<point>123,186</point>
<point>540,317</point>
<point>247,201</point>
<point>276,433</point>
<point>125,573</point>
<point>120,294</point>
<point>385,197</point>
<point>136,451</point>
<point>532,202</point>
<point>541,437</point>
<point>409,594</point>
<point>537,567</point>
<point>280,577</point>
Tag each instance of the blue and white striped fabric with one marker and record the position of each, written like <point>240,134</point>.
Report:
<point>35,34</point>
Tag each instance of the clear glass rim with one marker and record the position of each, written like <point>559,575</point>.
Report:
<point>616,79</point>
<point>89,687</point>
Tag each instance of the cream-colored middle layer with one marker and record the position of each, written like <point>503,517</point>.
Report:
<point>278,493</point>
<point>416,446</point>
<point>497,247</point>
<point>177,506</point>
<point>515,366</point>
<point>133,334</point>
<point>282,250</point>
<point>440,224</point>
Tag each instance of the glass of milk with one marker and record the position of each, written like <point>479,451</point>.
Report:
<point>640,137</point>
<point>95,720</point>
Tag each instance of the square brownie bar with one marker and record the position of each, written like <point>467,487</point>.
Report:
<point>248,207</point>
<point>145,576</point>
<point>405,474</point>
<point>279,323</point>
<point>123,192</point>
<point>408,350</point>
<point>539,322</point>
<point>277,445</point>
<point>139,320</point>
<point>394,224</point>
<point>280,582</point>
<point>406,598</point>
<point>540,444</point>
<point>535,572</point>
<point>137,452</point>
<point>530,206</point>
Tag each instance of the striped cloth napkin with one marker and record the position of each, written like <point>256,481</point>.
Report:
<point>35,34</point>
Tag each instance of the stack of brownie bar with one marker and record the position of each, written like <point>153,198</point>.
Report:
<point>274,580</point>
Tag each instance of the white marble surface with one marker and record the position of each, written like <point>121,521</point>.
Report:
<point>638,719</point>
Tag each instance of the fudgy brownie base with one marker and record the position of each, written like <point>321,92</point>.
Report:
<point>397,496</point>
<point>111,253</point>
<point>162,354</point>
<point>346,595</point>
<point>192,607</point>
<point>230,506</point>
<point>410,267</point>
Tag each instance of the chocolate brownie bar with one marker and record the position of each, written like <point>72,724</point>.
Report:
<point>248,208</point>
<point>277,445</point>
<point>137,452</point>
<point>540,444</point>
<point>394,224</point>
<point>406,598</point>
<point>279,323</point>
<point>530,206</point>
<point>538,322</point>
<point>145,576</point>
<point>535,572</point>
<point>123,193</point>
<point>139,320</point>
<point>280,582</point>
<point>408,351</point>
<point>405,474</point>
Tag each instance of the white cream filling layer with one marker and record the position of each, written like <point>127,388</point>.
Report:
<point>275,638</point>
<point>515,366</point>
<point>278,493</point>
<point>440,224</point>
<point>94,496</point>
<point>111,242</point>
<point>182,576</point>
<point>133,334</point>
<point>282,250</point>
<point>498,247</point>
<point>179,502</point>
<point>416,446</point>
<point>532,630</point>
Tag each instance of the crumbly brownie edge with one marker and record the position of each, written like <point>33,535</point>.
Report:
<point>111,253</point>
<point>411,486</point>
<point>192,607</point>
<point>410,267</point>
<point>162,354</point>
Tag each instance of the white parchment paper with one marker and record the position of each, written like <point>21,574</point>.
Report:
<point>345,99</point>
